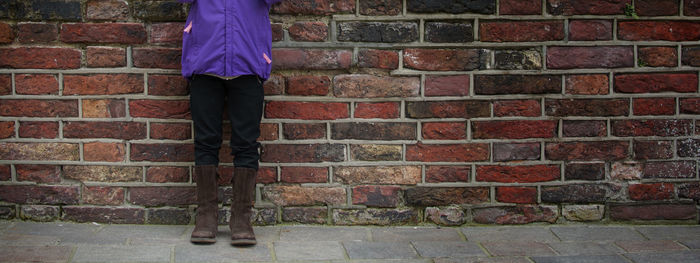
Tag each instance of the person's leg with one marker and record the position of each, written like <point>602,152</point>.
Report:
<point>207,95</point>
<point>245,102</point>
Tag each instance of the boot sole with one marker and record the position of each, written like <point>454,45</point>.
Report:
<point>203,240</point>
<point>244,242</point>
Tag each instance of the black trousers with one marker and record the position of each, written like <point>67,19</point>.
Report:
<point>243,99</point>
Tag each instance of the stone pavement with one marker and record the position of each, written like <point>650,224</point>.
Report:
<point>69,242</point>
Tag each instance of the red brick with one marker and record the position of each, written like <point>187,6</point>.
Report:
<point>7,129</point>
<point>167,174</point>
<point>304,175</point>
<point>584,151</point>
<point>586,107</point>
<point>520,7</point>
<point>36,84</point>
<point>39,194</point>
<point>160,196</point>
<point>521,31</point>
<point>40,58</point>
<point>520,214</point>
<point>274,85</point>
<point>103,195</point>
<point>106,108</point>
<point>303,131</point>
<point>266,175</point>
<point>626,128</point>
<point>659,30</point>
<point>5,84</point>
<point>675,169</point>
<point>293,195</point>
<point>587,7</point>
<point>691,7</point>
<point>443,59</point>
<point>375,195</point>
<point>655,191</point>
<point>656,82</point>
<point>277,32</point>
<point>110,215</point>
<point>585,171</point>
<point>39,151</point>
<point>309,31</point>
<point>104,152</point>
<point>99,84</point>
<point>658,56</point>
<point>444,130</point>
<point>595,84</point>
<point>167,58</point>
<point>7,34</point>
<point>653,150</point>
<point>5,173</point>
<point>38,173</point>
<point>643,211</point>
<point>160,109</point>
<point>167,85</point>
<point>168,33</point>
<point>656,7</point>
<point>306,110</point>
<point>39,108</point>
<point>383,131</point>
<point>104,129</point>
<point>122,33</point>
<point>583,128</point>
<point>314,7</point>
<point>369,86</point>
<point>446,174</point>
<point>35,33</point>
<point>38,129</point>
<point>268,132</point>
<point>590,30</point>
<point>447,152</point>
<point>518,195</point>
<point>171,131</point>
<point>106,57</point>
<point>690,106</point>
<point>377,58</point>
<point>379,110</point>
<point>517,174</point>
<point>516,151</point>
<point>654,106</point>
<point>303,153</point>
<point>308,85</point>
<point>524,108</point>
<point>162,152</point>
<point>457,85</point>
<point>448,109</point>
<point>115,10</point>
<point>292,58</point>
<point>509,84</point>
<point>513,129</point>
<point>590,57</point>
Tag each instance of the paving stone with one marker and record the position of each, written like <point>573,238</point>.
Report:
<point>692,244</point>
<point>222,252</point>
<point>68,233</point>
<point>35,253</point>
<point>517,248</point>
<point>379,250</point>
<point>445,249</point>
<point>581,259</point>
<point>540,234</point>
<point>414,234</point>
<point>320,250</point>
<point>674,257</point>
<point>122,254</point>
<point>584,248</point>
<point>595,233</point>
<point>144,231</point>
<point>669,232</point>
<point>649,245</point>
<point>28,240</point>
<point>304,233</point>
<point>385,261</point>
<point>483,260</point>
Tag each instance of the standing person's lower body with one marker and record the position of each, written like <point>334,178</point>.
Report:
<point>245,97</point>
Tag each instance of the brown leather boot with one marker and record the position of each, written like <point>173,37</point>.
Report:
<point>243,183</point>
<point>206,221</point>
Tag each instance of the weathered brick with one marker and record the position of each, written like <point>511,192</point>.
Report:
<point>584,171</point>
<point>590,30</point>
<point>36,33</point>
<point>517,59</point>
<point>160,196</point>
<point>518,195</point>
<point>449,31</point>
<point>586,7</point>
<point>8,212</point>
<point>586,107</point>
<point>66,10</point>
<point>40,58</point>
<point>275,85</point>
<point>373,131</point>
<point>104,152</point>
<point>171,131</point>
<point>448,216</point>
<point>266,175</point>
<point>457,85</point>
<point>159,10</point>
<point>277,32</point>
<point>449,6</point>
<point>653,150</point>
<point>40,151</point>
<point>168,33</point>
<point>595,150</point>
<point>5,84</point>
<point>517,129</point>
<point>167,174</point>
<point>521,214</point>
<point>575,128</point>
<point>38,173</point>
<point>658,30</point>
<point>167,85</point>
<point>162,152</point>
<point>41,213</point>
<point>111,215</point>
<point>103,129</point>
<point>7,34</point>
<point>306,153</point>
<point>407,175</point>
<point>39,194</point>
<point>301,131</point>
<point>375,152</point>
<point>38,108</point>
<point>444,130</point>
<point>122,33</point>
<point>559,57</point>
<point>516,84</point>
<point>101,173</point>
<point>169,216</point>
<point>375,216</point>
<point>7,129</point>
<point>675,169</point>
<point>381,7</point>
<point>641,211</point>
<point>654,106</point>
<point>435,196</point>
<point>38,129</point>
<point>378,110</point>
<point>524,108</point>
<point>517,174</point>
<point>691,7</point>
<point>294,58</point>
<point>102,195</point>
<point>575,193</point>
<point>688,147</point>
<point>377,58</point>
<point>167,58</point>
<point>689,190</point>
<point>594,84</point>
<point>99,84</point>
<point>626,171</point>
<point>690,106</point>
<point>658,56</point>
<point>520,7</point>
<point>297,174</point>
<point>447,109</point>
<point>636,128</point>
<point>447,152</point>
<point>583,212</point>
<point>314,7</point>
<point>445,174</point>
<point>375,195</point>
<point>5,173</point>
<point>106,57</point>
<point>104,108</point>
<point>656,82</point>
<point>305,215</point>
<point>656,7</point>
<point>291,195</point>
<point>308,85</point>
<point>309,31</point>
<point>444,59</point>
<point>653,191</point>
<point>368,86</point>
<point>161,109</point>
<point>504,152</point>
<point>521,31</point>
<point>112,10</point>
<point>306,110</point>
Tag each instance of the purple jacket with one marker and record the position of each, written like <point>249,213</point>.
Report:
<point>227,38</point>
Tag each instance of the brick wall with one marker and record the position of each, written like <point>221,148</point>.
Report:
<point>378,112</point>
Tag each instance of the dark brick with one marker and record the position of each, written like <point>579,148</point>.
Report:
<point>309,31</point>
<point>385,32</point>
<point>7,212</point>
<point>590,57</point>
<point>521,214</point>
<point>516,84</point>
<point>103,195</point>
<point>102,84</point>
<point>594,84</point>
<point>587,7</point>
<point>444,59</point>
<point>306,110</point>
<point>157,10</point>
<point>659,30</point>
<point>106,57</point>
<point>595,150</point>
<point>165,174</point>
<point>110,215</point>
<point>575,193</point>
<point>302,131</point>
<point>524,108</point>
<point>160,196</point>
<point>636,128</point>
<point>168,216</point>
<point>504,152</point>
<point>656,82</point>
<point>436,196</point>
<point>314,7</point>
<point>517,59</point>
<point>162,152</point>
<point>38,173</point>
<point>373,131</point>
<point>691,7</point>
<point>38,129</point>
<point>449,31</point>
<point>575,128</point>
<point>689,190</point>
<point>297,174</point>
<point>521,31</point>
<point>160,109</point>
<point>656,7</point>
<point>305,215</point>
<point>115,10</point>
<point>688,147</point>
<point>381,7</point>
<point>126,33</point>
<point>377,58</point>
<point>654,106</point>
<point>40,213</point>
<point>590,30</point>
<point>40,194</point>
<point>375,196</point>
<point>520,7</point>
<point>447,109</point>
<point>664,211</point>
<point>167,85</point>
<point>308,85</point>
<point>5,173</point>
<point>116,130</point>
<point>313,153</point>
<point>168,58</point>
<point>690,106</point>
<point>7,33</point>
<point>444,174</point>
<point>375,216</point>
<point>675,169</point>
<point>584,171</point>
<point>653,150</point>
<point>658,56</point>
<point>65,10</point>
<point>452,6</point>
<point>586,107</point>
<point>456,85</point>
<point>30,33</point>
<point>518,195</point>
